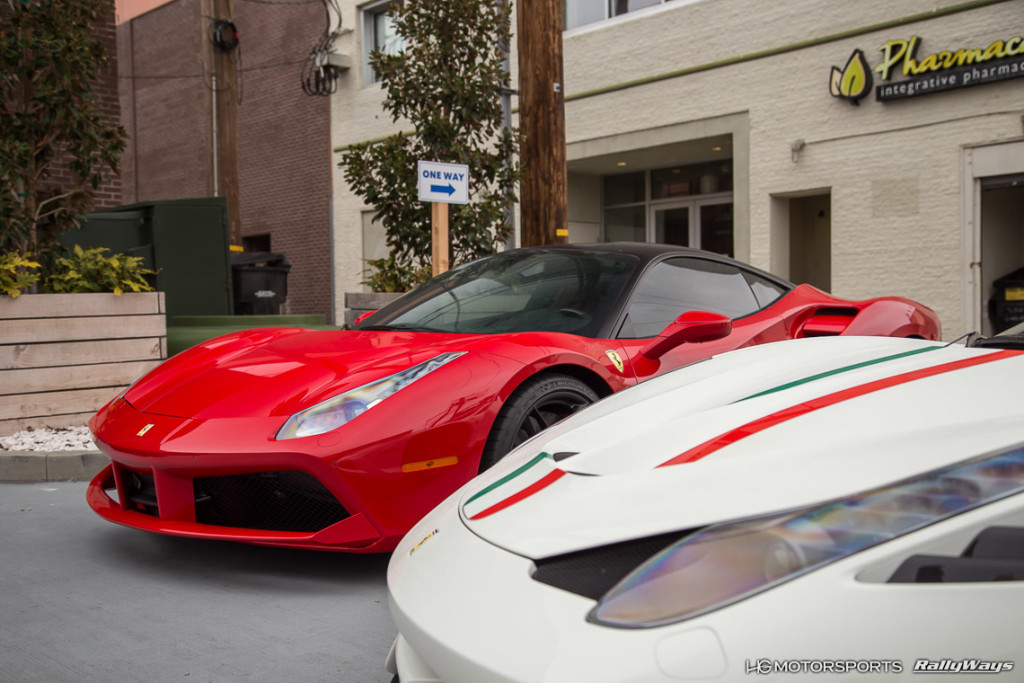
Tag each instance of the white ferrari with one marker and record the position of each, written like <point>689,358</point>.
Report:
<point>846,508</point>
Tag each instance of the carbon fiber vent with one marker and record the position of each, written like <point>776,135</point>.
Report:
<point>275,501</point>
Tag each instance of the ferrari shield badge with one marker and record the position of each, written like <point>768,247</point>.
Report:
<point>142,432</point>
<point>616,359</point>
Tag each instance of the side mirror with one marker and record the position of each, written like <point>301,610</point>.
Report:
<point>690,327</point>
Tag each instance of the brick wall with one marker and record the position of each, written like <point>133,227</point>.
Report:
<point>283,135</point>
<point>106,92</point>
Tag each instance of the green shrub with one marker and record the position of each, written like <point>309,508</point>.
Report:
<point>88,270</point>
<point>17,273</point>
<point>388,275</point>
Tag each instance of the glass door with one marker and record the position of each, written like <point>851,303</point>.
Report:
<point>715,226</point>
<point>701,224</point>
<point>672,224</point>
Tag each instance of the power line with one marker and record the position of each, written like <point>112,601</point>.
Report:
<point>319,76</point>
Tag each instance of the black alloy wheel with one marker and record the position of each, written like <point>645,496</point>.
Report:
<point>537,404</point>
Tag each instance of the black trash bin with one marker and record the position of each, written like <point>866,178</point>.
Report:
<point>1006,306</point>
<point>259,282</point>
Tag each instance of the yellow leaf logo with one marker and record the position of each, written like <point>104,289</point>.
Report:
<point>853,81</point>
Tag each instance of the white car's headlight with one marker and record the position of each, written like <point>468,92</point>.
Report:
<point>725,563</point>
<point>336,411</point>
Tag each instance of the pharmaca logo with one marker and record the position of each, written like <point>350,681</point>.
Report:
<point>905,73</point>
<point>853,81</point>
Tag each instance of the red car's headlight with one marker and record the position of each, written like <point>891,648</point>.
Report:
<point>337,411</point>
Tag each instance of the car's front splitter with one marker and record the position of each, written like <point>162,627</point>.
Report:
<point>352,534</point>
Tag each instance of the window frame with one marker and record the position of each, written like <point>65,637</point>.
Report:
<point>369,14</point>
<point>746,275</point>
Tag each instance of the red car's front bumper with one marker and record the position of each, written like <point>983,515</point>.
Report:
<point>230,479</point>
<point>288,508</point>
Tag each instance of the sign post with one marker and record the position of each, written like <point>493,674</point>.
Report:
<point>441,184</point>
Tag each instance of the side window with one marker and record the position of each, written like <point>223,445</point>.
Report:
<point>766,291</point>
<point>678,285</point>
<point>378,34</point>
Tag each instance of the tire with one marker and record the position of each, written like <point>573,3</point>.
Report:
<point>538,403</point>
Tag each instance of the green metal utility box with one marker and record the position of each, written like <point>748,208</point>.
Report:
<point>184,240</point>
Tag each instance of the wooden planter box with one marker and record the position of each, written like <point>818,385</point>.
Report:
<point>62,356</point>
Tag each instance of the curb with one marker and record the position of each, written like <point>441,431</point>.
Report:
<point>37,466</point>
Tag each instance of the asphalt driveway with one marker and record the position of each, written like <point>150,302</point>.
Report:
<point>84,600</point>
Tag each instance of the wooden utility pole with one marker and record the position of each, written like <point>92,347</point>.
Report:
<point>225,95</point>
<point>543,205</point>
<point>439,236</point>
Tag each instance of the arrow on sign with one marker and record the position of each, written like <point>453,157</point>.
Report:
<point>446,189</point>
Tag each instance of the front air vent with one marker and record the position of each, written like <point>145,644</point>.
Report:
<point>592,573</point>
<point>274,501</point>
<point>140,493</point>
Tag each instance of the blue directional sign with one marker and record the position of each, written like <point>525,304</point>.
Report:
<point>440,182</point>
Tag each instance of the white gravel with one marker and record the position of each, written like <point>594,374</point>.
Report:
<point>47,439</point>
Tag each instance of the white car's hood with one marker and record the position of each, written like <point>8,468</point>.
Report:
<point>838,416</point>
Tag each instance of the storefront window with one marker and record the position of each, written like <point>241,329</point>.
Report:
<point>683,181</point>
<point>627,224</point>
<point>625,189</point>
<point>716,228</point>
<point>688,205</point>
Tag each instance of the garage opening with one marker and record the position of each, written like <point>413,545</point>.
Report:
<point>1002,252</point>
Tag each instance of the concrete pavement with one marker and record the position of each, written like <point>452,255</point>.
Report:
<point>86,600</point>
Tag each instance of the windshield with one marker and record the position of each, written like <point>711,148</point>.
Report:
<point>515,291</point>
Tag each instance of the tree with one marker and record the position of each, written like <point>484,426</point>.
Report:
<point>447,82</point>
<point>55,144</point>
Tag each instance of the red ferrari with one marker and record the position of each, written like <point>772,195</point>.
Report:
<point>342,440</point>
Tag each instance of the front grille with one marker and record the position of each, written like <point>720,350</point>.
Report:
<point>275,501</point>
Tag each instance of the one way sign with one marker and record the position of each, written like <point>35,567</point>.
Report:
<point>446,183</point>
